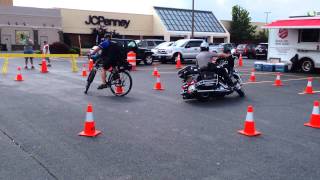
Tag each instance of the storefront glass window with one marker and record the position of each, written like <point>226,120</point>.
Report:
<point>21,36</point>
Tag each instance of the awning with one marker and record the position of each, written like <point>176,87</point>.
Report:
<point>295,24</point>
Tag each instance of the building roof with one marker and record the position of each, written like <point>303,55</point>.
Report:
<point>308,23</point>
<point>181,20</point>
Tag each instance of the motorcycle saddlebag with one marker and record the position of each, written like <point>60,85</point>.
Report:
<point>187,71</point>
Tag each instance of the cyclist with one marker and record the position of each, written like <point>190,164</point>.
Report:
<point>111,55</point>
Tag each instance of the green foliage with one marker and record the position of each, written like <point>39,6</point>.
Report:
<point>241,28</point>
<point>262,36</point>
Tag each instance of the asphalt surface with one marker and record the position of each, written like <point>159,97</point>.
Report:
<point>154,135</point>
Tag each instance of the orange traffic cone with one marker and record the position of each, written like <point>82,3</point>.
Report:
<point>240,61</point>
<point>89,126</point>
<point>249,126</point>
<point>155,71</point>
<point>309,89</point>
<point>315,116</point>
<point>278,82</point>
<point>158,85</point>
<point>19,75</point>
<point>84,71</point>
<point>44,68</point>
<point>90,67</point>
<point>178,64</point>
<point>119,90</point>
<point>252,76</point>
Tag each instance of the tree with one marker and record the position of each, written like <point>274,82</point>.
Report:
<point>262,36</point>
<point>241,28</point>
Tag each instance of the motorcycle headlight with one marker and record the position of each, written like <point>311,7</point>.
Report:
<point>192,88</point>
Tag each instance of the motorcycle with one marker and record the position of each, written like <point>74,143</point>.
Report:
<point>205,84</point>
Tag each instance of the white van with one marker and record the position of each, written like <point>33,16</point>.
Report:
<point>296,41</point>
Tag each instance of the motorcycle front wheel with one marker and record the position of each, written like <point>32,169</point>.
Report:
<point>241,93</point>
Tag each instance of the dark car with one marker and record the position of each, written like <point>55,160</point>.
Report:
<point>143,54</point>
<point>247,50</point>
<point>262,51</point>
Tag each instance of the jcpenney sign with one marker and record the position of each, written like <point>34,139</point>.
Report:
<point>100,20</point>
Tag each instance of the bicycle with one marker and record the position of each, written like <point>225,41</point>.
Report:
<point>119,79</point>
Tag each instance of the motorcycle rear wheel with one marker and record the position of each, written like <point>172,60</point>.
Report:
<point>203,96</point>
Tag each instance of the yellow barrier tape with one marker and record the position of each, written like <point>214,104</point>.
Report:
<point>5,66</point>
<point>39,55</point>
<point>72,56</point>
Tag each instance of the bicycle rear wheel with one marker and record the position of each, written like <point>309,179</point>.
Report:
<point>120,83</point>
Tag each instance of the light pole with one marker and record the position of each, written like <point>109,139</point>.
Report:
<point>267,16</point>
<point>192,28</point>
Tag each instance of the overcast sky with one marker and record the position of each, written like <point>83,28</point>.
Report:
<point>221,8</point>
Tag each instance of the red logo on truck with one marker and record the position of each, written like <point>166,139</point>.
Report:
<point>283,33</point>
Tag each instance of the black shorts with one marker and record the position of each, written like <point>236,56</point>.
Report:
<point>107,63</point>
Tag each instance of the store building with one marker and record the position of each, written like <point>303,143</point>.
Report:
<point>19,23</point>
<point>77,27</point>
<point>165,23</point>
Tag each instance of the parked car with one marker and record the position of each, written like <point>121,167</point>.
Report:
<point>158,49</point>
<point>261,51</point>
<point>246,50</point>
<point>142,54</point>
<point>149,43</point>
<point>187,48</point>
<point>219,48</point>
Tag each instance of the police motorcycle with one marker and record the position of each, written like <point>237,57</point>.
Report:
<point>202,85</point>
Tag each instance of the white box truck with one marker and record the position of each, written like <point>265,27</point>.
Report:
<point>296,42</point>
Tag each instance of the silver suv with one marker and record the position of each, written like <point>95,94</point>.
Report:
<point>187,48</point>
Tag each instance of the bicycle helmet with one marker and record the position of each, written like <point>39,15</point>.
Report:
<point>226,50</point>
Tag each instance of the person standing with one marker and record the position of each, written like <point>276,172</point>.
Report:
<point>46,50</point>
<point>28,49</point>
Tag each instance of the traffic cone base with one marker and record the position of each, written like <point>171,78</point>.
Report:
<point>19,78</point>
<point>158,86</point>
<point>252,79</point>
<point>278,84</point>
<point>249,130</point>
<point>314,121</point>
<point>311,125</point>
<point>308,90</point>
<point>89,130</point>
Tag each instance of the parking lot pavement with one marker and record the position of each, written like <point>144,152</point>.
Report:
<point>154,135</point>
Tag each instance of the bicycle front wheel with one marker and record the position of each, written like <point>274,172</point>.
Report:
<point>90,79</point>
<point>120,83</point>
